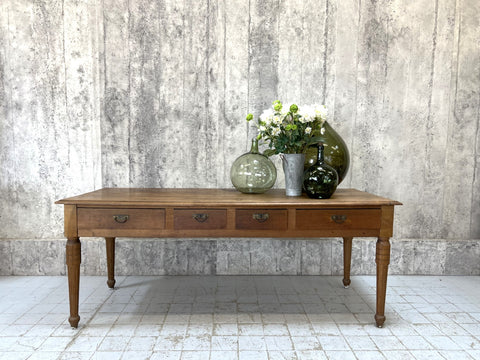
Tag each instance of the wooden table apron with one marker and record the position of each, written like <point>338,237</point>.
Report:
<point>197,213</point>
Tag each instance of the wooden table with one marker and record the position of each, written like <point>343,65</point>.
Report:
<point>193,213</point>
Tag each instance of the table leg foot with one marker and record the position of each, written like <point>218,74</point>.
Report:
<point>73,257</point>
<point>347,260</point>
<point>382,259</point>
<point>74,321</point>
<point>379,320</point>
<point>110,246</point>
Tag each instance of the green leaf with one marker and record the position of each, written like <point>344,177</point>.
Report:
<point>316,139</point>
<point>269,152</point>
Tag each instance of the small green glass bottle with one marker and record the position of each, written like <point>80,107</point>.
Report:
<point>252,172</point>
<point>320,180</point>
<point>335,152</point>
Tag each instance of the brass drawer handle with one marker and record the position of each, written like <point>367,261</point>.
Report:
<point>339,219</point>
<point>200,217</point>
<point>120,218</point>
<point>261,217</point>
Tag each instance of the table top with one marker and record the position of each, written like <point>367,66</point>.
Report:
<point>221,197</point>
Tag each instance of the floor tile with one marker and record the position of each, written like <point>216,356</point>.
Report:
<point>27,343</point>
<point>455,354</point>
<point>198,342</point>
<point>303,343</point>
<point>55,343</point>
<point>385,343</point>
<point>46,355</point>
<point>361,343</point>
<point>475,354</point>
<point>333,343</point>
<point>143,343</point>
<point>137,355</point>
<point>76,355</point>
<point>278,343</point>
<point>107,355</point>
<point>250,329</point>
<point>223,355</point>
<point>369,355</point>
<point>426,354</point>
<point>86,343</point>
<point>253,355</point>
<point>166,355</point>
<point>250,343</point>
<point>397,355</point>
<point>15,330</point>
<point>241,317</point>
<point>169,342</point>
<point>340,355</point>
<point>415,342</point>
<point>114,343</point>
<point>466,342</point>
<point>283,355</point>
<point>17,355</point>
<point>224,343</point>
<point>311,355</point>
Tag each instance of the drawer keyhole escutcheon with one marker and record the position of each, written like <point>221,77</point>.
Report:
<point>120,218</point>
<point>261,217</point>
<point>339,219</point>
<point>200,217</point>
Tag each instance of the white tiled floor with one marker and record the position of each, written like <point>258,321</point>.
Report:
<point>240,317</point>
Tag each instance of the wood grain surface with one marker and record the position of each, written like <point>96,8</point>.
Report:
<point>220,197</point>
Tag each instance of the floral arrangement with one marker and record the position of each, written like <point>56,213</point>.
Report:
<point>290,129</point>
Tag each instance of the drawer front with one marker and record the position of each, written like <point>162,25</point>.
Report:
<point>332,219</point>
<point>199,219</point>
<point>261,219</point>
<point>121,219</point>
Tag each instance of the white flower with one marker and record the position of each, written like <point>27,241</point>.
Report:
<point>267,116</point>
<point>322,131</point>
<point>277,120</point>
<point>307,114</point>
<point>321,112</point>
<point>308,130</point>
<point>262,128</point>
<point>275,131</point>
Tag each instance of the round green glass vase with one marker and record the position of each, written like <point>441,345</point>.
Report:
<point>252,172</point>
<point>320,180</point>
<point>336,152</point>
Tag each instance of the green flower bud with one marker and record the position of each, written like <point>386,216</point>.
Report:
<point>249,117</point>
<point>294,127</point>
<point>293,108</point>
<point>288,127</point>
<point>277,105</point>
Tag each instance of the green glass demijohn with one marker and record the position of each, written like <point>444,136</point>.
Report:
<point>335,152</point>
<point>252,172</point>
<point>320,180</point>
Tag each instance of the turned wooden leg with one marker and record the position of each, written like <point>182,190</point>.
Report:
<point>382,260</point>
<point>347,260</point>
<point>110,245</point>
<point>73,252</point>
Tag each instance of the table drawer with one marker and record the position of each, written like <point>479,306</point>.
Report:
<point>261,219</point>
<point>199,219</point>
<point>120,219</point>
<point>332,219</point>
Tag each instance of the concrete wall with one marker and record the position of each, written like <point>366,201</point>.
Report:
<point>153,93</point>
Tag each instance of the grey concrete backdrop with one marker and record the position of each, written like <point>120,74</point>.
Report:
<point>153,93</point>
